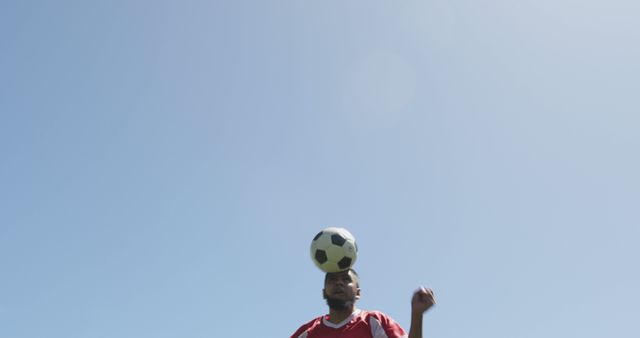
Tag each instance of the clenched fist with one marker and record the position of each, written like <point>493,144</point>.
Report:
<point>422,300</point>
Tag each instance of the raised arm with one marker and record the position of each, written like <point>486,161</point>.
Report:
<point>421,301</point>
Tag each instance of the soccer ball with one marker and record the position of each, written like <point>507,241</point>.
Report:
<point>334,250</point>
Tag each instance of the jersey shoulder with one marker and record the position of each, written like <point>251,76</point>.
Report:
<point>377,315</point>
<point>382,325</point>
<point>302,331</point>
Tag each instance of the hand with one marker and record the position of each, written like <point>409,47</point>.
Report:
<point>422,300</point>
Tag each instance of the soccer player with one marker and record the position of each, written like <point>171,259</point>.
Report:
<point>341,291</point>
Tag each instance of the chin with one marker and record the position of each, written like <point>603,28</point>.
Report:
<point>339,304</point>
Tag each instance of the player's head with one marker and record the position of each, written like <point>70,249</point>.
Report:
<point>351,272</point>
<point>341,289</point>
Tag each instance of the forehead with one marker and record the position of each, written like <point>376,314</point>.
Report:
<point>342,274</point>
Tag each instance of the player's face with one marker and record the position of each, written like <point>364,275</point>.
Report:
<point>342,286</point>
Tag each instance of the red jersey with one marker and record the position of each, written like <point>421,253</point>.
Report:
<point>361,324</point>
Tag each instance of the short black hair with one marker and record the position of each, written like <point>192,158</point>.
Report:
<point>326,276</point>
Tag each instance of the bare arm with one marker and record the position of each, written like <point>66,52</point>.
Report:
<point>421,301</point>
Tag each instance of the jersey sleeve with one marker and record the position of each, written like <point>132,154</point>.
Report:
<point>382,326</point>
<point>302,332</point>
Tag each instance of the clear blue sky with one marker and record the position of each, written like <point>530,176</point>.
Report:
<point>164,165</point>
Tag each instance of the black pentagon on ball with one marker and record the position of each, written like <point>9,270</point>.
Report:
<point>337,240</point>
<point>318,235</point>
<point>321,256</point>
<point>344,263</point>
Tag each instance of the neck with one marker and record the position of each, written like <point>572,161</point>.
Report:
<point>338,315</point>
